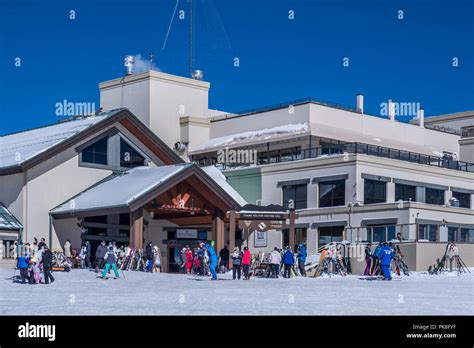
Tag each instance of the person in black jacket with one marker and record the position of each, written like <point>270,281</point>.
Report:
<point>41,244</point>
<point>224,256</point>
<point>149,256</point>
<point>47,261</point>
<point>88,255</point>
<point>99,256</point>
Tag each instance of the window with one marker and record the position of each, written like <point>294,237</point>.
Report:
<point>202,235</point>
<point>434,196</point>
<point>467,235</point>
<point>300,237</point>
<point>129,157</point>
<point>427,232</point>
<point>452,234</point>
<point>463,198</point>
<point>329,234</point>
<point>124,219</point>
<point>298,193</point>
<point>332,193</point>
<point>101,219</point>
<point>405,192</point>
<point>96,153</point>
<point>375,191</point>
<point>380,233</point>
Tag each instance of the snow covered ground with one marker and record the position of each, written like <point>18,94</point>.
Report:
<point>79,292</point>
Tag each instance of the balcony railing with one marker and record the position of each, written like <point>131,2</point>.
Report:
<point>350,148</point>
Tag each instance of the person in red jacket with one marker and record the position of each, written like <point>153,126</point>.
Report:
<point>246,263</point>
<point>189,259</point>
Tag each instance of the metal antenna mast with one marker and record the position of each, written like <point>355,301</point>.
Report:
<point>190,38</point>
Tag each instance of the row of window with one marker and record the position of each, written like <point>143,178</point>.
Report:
<point>332,193</point>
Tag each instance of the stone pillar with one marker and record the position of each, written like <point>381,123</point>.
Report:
<point>390,192</point>
<point>312,240</point>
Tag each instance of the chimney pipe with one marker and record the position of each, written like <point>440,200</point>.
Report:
<point>128,62</point>
<point>421,117</point>
<point>391,110</point>
<point>360,103</point>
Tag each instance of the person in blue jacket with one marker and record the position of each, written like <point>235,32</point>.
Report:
<point>376,259</point>
<point>302,259</point>
<point>22,265</point>
<point>212,260</point>
<point>288,261</point>
<point>386,256</point>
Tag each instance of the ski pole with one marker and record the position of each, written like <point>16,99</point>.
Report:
<point>123,274</point>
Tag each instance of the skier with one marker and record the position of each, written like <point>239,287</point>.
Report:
<point>67,250</point>
<point>22,265</point>
<point>274,260</point>
<point>368,257</point>
<point>224,256</point>
<point>288,261</point>
<point>149,256</point>
<point>212,261</point>
<point>36,271</point>
<point>99,256</point>
<point>82,256</point>
<point>386,256</point>
<point>189,260</point>
<point>196,263</point>
<point>47,262</point>
<point>201,254</point>
<point>375,259</point>
<point>246,263</point>
<point>14,250</point>
<point>42,243</point>
<point>236,257</point>
<point>452,254</point>
<point>302,259</point>
<point>110,259</point>
<point>88,255</point>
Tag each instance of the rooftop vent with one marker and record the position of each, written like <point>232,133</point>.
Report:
<point>128,62</point>
<point>198,74</point>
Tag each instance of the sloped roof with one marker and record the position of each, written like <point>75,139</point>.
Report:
<point>221,180</point>
<point>120,190</point>
<point>282,132</point>
<point>8,221</point>
<point>17,148</point>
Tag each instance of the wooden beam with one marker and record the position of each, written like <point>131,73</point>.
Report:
<point>232,231</point>
<point>136,231</point>
<point>218,230</point>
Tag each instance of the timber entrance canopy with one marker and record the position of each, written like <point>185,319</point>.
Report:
<point>184,194</point>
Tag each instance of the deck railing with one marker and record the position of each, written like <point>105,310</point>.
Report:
<point>350,148</point>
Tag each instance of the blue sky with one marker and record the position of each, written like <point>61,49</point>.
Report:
<point>407,60</point>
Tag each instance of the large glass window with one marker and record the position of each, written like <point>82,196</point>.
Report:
<point>375,191</point>
<point>129,157</point>
<point>96,153</point>
<point>405,192</point>
<point>452,234</point>
<point>467,235</point>
<point>297,193</point>
<point>427,232</point>
<point>329,234</point>
<point>434,196</point>
<point>463,198</point>
<point>332,193</point>
<point>381,233</point>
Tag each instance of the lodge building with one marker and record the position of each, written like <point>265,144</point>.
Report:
<point>147,169</point>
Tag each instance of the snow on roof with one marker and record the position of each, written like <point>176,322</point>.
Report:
<point>120,189</point>
<point>221,180</point>
<point>18,147</point>
<point>7,220</point>
<point>247,138</point>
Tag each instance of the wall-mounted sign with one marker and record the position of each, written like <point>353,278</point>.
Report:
<point>186,234</point>
<point>262,216</point>
<point>261,225</point>
<point>260,239</point>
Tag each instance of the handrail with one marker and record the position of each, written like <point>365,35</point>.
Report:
<point>352,148</point>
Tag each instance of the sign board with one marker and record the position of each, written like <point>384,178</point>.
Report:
<point>262,216</point>
<point>261,225</point>
<point>260,239</point>
<point>186,234</point>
